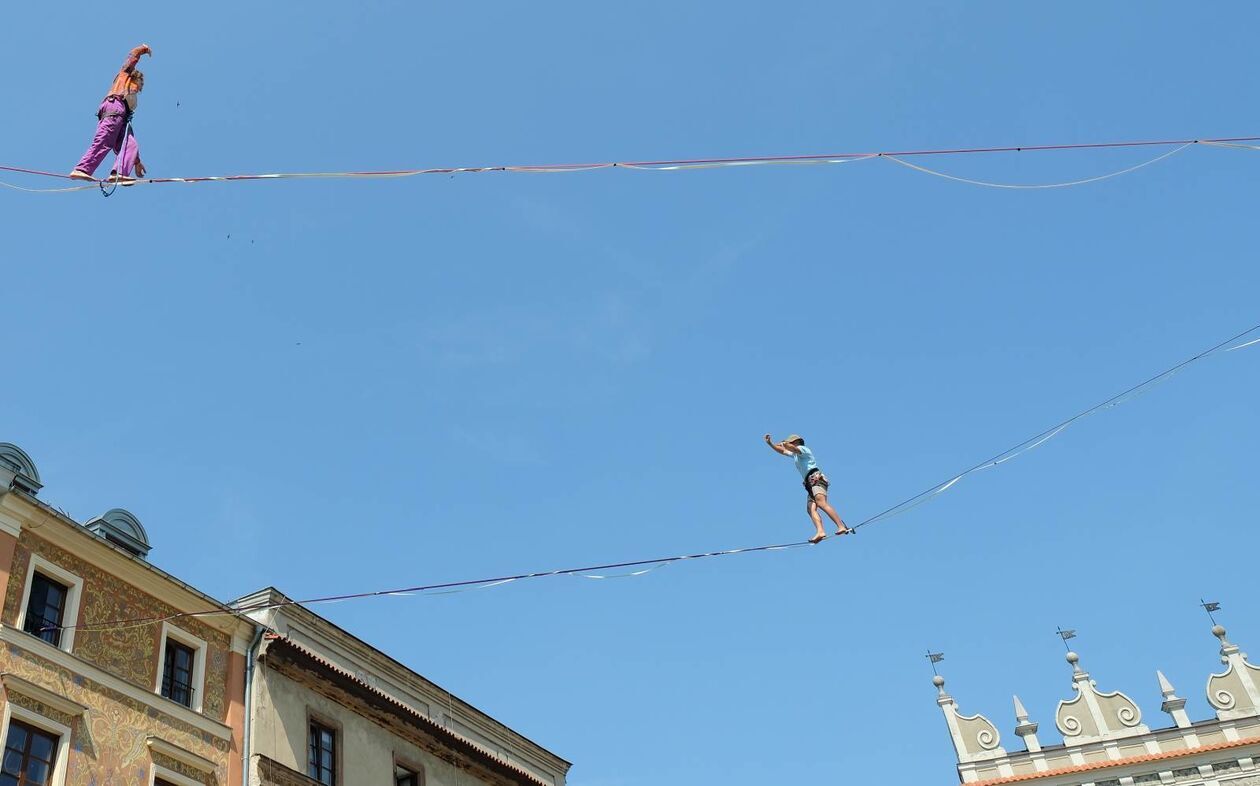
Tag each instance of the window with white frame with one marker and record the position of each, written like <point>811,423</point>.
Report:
<point>36,749</point>
<point>50,603</point>
<point>181,669</point>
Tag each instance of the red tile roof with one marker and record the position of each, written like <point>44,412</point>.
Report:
<point>1100,765</point>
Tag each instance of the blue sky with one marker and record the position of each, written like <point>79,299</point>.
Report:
<point>345,385</point>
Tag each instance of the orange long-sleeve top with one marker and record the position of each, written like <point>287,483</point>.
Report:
<point>126,82</point>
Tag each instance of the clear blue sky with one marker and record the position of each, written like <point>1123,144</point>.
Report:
<point>335,386</point>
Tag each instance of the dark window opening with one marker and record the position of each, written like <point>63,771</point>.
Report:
<point>177,673</point>
<point>46,609</point>
<point>322,755</point>
<point>405,777</point>
<point>28,756</point>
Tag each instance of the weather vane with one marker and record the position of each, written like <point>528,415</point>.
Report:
<point>934,658</point>
<point>1210,606</point>
<point>1070,633</point>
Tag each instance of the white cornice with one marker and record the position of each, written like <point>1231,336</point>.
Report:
<point>9,524</point>
<point>15,684</point>
<point>159,745</point>
<point>37,646</point>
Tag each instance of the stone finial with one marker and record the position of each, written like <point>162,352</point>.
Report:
<point>1025,728</point>
<point>1075,661</point>
<point>1174,706</point>
<point>1093,715</point>
<point>1235,692</point>
<point>975,738</point>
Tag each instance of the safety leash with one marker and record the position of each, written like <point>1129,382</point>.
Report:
<point>113,181</point>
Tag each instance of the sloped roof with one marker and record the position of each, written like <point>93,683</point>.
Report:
<point>451,739</point>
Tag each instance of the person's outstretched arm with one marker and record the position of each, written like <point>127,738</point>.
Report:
<point>134,57</point>
<point>777,447</point>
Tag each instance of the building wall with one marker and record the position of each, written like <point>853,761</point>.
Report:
<point>130,653</point>
<point>109,744</point>
<point>497,750</point>
<point>113,675</point>
<point>366,750</point>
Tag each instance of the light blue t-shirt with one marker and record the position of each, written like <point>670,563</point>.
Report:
<point>804,459</point>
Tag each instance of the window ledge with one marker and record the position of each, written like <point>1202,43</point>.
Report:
<point>171,751</point>
<point>15,684</point>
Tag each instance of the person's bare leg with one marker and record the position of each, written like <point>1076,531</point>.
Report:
<point>821,502</point>
<point>819,532</point>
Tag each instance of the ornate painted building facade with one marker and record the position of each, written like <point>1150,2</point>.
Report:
<point>1106,743</point>
<point>103,682</point>
<point>327,708</point>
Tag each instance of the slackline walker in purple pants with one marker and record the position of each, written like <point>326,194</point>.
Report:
<point>112,133</point>
<point>113,130</point>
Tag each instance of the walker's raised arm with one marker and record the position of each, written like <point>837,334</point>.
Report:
<point>134,57</point>
<point>777,448</point>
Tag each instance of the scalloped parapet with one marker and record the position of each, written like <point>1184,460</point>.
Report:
<point>1092,715</point>
<point>975,737</point>
<point>1235,692</point>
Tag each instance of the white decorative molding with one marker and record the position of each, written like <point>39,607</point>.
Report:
<point>61,762</point>
<point>199,648</point>
<point>170,750</point>
<point>240,644</point>
<point>986,738</point>
<point>1235,692</point>
<point>15,684</point>
<point>74,595</point>
<point>10,524</point>
<point>41,648</point>
<point>1093,715</point>
<point>975,737</point>
<point>171,777</point>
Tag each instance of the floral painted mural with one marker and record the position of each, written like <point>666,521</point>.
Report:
<point>130,653</point>
<point>109,743</point>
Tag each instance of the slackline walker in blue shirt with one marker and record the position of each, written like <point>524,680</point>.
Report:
<point>815,483</point>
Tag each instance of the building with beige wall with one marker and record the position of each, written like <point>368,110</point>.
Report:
<point>1106,742</point>
<point>327,708</point>
<point>87,699</point>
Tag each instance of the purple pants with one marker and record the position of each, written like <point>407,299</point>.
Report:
<point>112,133</point>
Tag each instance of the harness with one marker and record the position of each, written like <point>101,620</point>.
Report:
<point>815,477</point>
<point>126,114</point>
<point>101,113</point>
